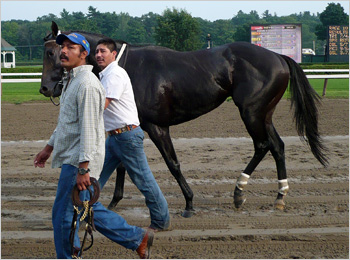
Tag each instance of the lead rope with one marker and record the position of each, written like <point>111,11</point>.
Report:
<point>88,211</point>
<point>53,102</point>
<point>86,208</point>
<point>88,216</point>
<point>60,85</point>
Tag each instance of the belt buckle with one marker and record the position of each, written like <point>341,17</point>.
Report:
<point>122,130</point>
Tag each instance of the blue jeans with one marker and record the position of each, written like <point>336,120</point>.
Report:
<point>127,148</point>
<point>107,222</point>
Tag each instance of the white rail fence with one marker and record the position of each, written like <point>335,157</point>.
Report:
<point>327,76</point>
<point>314,76</point>
<point>20,80</point>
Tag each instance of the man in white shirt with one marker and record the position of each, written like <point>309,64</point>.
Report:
<point>125,137</point>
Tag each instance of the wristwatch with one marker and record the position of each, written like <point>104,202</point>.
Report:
<point>83,171</point>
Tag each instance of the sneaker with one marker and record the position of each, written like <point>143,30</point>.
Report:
<point>144,249</point>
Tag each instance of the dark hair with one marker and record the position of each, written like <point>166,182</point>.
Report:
<point>81,51</point>
<point>82,48</point>
<point>109,43</point>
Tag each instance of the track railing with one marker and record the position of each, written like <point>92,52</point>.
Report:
<point>324,76</point>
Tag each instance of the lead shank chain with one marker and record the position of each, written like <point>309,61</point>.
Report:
<point>85,208</point>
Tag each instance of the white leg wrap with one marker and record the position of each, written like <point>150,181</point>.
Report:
<point>283,187</point>
<point>242,181</point>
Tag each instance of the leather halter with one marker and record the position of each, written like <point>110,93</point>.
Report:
<point>93,197</point>
<point>60,83</point>
<point>88,216</point>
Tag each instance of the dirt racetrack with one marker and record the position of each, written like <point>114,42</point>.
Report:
<point>213,150</point>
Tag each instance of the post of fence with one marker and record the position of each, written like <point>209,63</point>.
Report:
<point>324,87</point>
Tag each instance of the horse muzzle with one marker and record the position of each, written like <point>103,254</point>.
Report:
<point>49,91</point>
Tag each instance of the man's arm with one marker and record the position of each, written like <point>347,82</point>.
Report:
<point>90,103</point>
<point>108,101</point>
<point>83,181</point>
<point>41,158</point>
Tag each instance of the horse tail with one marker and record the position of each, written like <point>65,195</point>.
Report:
<point>304,100</point>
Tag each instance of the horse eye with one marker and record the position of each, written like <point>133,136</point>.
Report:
<point>50,53</point>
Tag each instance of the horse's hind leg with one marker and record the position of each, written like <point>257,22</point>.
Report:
<point>265,139</point>
<point>277,151</point>
<point>255,125</point>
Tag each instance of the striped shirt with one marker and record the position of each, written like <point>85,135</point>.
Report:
<point>79,135</point>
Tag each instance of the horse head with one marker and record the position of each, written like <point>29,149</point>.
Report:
<point>51,81</point>
<point>53,72</point>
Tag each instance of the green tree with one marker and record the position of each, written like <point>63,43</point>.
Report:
<point>222,32</point>
<point>178,30</point>
<point>123,29</point>
<point>137,33</point>
<point>242,18</point>
<point>242,22</point>
<point>175,29</point>
<point>333,15</point>
<point>242,33</point>
<point>47,18</point>
<point>206,27</point>
<point>149,22</point>
<point>10,32</point>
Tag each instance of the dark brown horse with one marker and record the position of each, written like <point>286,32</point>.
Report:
<point>174,87</point>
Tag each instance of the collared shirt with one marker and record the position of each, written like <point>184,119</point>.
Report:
<point>122,110</point>
<point>79,135</point>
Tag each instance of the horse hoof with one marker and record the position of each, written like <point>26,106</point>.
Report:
<point>279,204</point>
<point>239,201</point>
<point>187,213</point>
<point>112,205</point>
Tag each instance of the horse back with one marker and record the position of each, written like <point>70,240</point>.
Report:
<point>172,87</point>
<point>178,85</point>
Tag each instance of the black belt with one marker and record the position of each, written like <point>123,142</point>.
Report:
<point>122,130</point>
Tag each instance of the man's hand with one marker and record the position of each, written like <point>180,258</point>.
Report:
<point>83,181</point>
<point>41,158</point>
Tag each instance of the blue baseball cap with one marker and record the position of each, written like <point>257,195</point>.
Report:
<point>76,38</point>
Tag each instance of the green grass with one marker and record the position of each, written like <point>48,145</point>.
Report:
<point>17,93</point>
<point>336,88</point>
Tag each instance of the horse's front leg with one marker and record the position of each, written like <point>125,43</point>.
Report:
<point>119,187</point>
<point>161,138</point>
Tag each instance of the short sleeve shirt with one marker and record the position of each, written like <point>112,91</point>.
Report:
<point>122,110</point>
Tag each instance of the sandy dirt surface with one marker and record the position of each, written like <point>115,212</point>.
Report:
<point>213,150</point>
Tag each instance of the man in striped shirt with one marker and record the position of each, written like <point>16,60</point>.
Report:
<point>78,149</point>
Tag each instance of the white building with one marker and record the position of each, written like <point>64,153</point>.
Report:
<point>8,59</point>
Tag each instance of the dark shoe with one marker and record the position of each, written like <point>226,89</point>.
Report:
<point>144,249</point>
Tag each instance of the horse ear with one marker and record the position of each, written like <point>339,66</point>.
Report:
<point>54,29</point>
